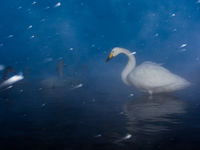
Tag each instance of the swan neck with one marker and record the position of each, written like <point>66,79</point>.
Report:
<point>60,69</point>
<point>129,67</point>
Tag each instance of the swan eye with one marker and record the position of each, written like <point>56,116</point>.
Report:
<point>113,53</point>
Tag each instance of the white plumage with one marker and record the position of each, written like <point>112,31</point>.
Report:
<point>149,77</point>
<point>154,78</point>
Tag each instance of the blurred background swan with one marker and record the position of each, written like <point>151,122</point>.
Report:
<point>5,90</point>
<point>7,82</point>
<point>148,77</point>
<point>55,81</point>
<point>58,85</point>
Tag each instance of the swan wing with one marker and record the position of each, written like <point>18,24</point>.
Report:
<point>151,76</point>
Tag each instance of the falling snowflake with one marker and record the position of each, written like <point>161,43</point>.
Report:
<point>183,45</point>
<point>29,27</point>
<point>58,4</point>
<point>34,2</point>
<point>33,36</point>
<point>173,15</point>
<point>10,36</point>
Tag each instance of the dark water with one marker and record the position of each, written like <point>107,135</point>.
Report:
<point>92,118</point>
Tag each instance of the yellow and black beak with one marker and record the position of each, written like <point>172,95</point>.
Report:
<point>109,57</point>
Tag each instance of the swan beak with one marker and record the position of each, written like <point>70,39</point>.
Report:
<point>109,57</point>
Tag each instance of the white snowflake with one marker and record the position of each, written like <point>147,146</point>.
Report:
<point>58,4</point>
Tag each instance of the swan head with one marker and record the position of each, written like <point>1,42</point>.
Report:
<point>114,52</point>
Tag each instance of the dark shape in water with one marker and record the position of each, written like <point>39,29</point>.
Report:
<point>27,72</point>
<point>6,70</point>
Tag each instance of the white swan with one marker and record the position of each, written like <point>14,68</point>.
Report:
<point>148,77</point>
<point>60,81</point>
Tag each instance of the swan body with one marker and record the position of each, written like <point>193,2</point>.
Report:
<point>59,82</point>
<point>148,77</point>
<point>55,82</point>
<point>52,83</point>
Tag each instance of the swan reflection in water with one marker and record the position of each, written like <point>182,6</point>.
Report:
<point>155,115</point>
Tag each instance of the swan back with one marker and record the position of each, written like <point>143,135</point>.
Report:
<point>154,78</point>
